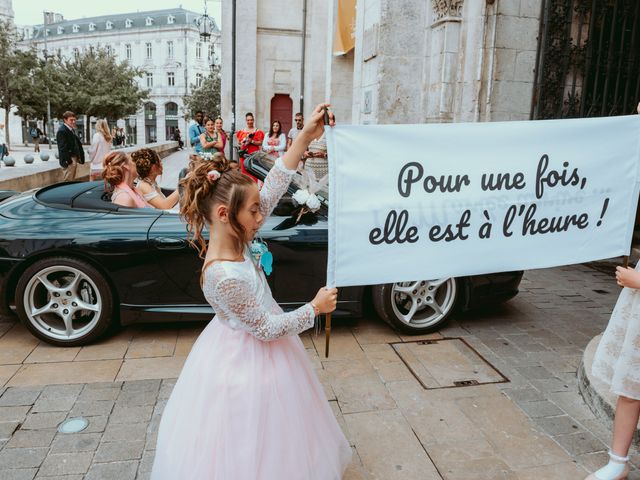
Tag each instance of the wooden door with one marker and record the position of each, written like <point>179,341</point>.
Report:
<point>282,110</point>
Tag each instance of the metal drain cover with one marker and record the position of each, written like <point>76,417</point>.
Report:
<point>73,425</point>
<point>447,363</point>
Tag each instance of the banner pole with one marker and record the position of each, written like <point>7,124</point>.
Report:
<point>327,320</point>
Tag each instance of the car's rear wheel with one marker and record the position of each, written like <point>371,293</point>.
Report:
<point>416,307</point>
<point>64,301</point>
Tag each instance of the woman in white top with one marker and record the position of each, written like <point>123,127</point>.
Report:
<point>275,143</point>
<point>149,166</point>
<point>100,148</point>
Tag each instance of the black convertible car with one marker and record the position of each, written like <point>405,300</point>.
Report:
<point>72,262</point>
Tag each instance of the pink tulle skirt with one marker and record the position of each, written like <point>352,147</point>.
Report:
<point>244,409</point>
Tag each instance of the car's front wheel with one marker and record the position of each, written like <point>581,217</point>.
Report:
<point>64,301</point>
<point>416,307</point>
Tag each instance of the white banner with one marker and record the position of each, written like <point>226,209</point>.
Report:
<point>418,202</point>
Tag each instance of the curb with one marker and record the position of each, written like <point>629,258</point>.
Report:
<point>596,394</point>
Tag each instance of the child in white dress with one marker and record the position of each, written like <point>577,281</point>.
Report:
<point>247,404</point>
<point>617,362</point>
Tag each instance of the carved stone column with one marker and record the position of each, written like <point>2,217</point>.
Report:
<point>443,45</point>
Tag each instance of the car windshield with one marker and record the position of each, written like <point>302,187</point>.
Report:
<point>260,163</point>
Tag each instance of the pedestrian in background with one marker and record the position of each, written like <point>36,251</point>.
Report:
<point>100,147</point>
<point>120,137</point>
<point>195,131</point>
<point>275,142</point>
<point>177,137</point>
<point>113,135</point>
<point>70,152</point>
<point>3,145</point>
<point>221,133</point>
<point>250,140</point>
<point>210,140</point>
<point>35,133</point>
<point>293,133</point>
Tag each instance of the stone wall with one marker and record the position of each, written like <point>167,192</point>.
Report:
<point>268,52</point>
<point>444,60</point>
<point>339,72</point>
<point>516,43</point>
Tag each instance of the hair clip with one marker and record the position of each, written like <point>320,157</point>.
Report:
<point>213,175</point>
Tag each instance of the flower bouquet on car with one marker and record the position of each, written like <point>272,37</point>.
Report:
<point>306,197</point>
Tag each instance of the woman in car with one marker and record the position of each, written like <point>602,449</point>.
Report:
<point>119,172</point>
<point>149,166</point>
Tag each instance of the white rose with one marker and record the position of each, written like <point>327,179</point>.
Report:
<point>313,202</point>
<point>301,196</point>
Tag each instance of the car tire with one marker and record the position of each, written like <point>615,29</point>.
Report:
<point>416,307</point>
<point>51,294</point>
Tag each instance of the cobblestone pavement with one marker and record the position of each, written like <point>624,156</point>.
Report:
<point>535,426</point>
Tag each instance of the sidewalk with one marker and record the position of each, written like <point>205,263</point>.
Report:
<point>403,423</point>
<point>21,168</point>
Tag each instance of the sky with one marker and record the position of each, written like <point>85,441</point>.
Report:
<point>29,12</point>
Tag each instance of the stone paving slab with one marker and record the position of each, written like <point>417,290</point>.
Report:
<point>536,426</point>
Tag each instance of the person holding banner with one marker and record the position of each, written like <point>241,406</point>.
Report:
<point>617,363</point>
<point>247,404</point>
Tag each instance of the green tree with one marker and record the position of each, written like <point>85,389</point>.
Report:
<point>19,71</point>
<point>48,82</point>
<point>98,85</point>
<point>206,97</point>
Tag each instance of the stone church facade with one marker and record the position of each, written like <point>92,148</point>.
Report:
<point>419,61</point>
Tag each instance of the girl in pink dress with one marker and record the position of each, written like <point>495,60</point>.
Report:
<point>120,172</point>
<point>247,404</point>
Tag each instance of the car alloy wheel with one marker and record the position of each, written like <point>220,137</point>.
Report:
<point>416,306</point>
<point>64,302</point>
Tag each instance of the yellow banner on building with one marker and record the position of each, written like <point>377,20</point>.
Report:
<point>344,40</point>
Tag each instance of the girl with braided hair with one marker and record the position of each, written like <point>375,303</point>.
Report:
<point>247,404</point>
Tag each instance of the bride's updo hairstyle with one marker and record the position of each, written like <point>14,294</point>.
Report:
<point>202,191</point>
<point>145,159</point>
<point>113,168</point>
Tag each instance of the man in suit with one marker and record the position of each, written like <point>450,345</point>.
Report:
<point>70,150</point>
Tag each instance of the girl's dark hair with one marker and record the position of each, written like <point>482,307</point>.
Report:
<point>113,168</point>
<point>210,119</point>
<point>201,194</point>
<point>145,159</point>
<point>271,132</point>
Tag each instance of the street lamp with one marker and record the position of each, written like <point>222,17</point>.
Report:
<point>46,61</point>
<point>205,25</point>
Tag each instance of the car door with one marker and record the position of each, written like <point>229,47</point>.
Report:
<point>118,242</point>
<point>176,260</point>
<point>299,252</point>
<point>299,257</point>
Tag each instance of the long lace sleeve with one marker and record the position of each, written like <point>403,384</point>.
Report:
<point>233,296</point>
<point>275,185</point>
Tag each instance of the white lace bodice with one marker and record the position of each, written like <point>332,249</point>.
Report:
<point>238,291</point>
